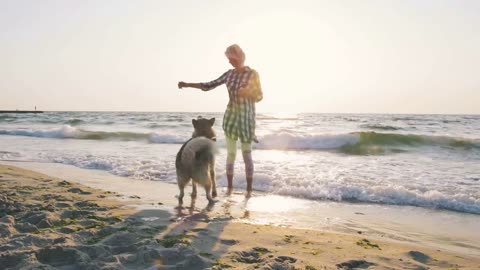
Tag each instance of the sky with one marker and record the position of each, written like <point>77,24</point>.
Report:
<point>371,56</point>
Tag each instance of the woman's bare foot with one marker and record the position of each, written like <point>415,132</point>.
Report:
<point>229,191</point>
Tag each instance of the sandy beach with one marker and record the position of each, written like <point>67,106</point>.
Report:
<point>50,223</point>
<point>333,135</point>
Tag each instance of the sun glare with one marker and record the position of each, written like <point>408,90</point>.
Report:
<point>273,203</point>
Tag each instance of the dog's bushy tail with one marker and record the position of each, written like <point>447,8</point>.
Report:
<point>204,161</point>
<point>205,154</point>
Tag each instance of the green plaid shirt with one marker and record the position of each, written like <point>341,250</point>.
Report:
<point>239,117</point>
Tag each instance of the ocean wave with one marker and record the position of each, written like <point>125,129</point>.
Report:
<point>108,123</point>
<point>44,121</point>
<point>391,195</point>
<point>141,119</point>
<point>175,119</point>
<point>69,132</point>
<point>7,117</point>
<point>122,166</point>
<point>9,155</point>
<point>268,179</point>
<point>260,117</point>
<point>451,121</point>
<point>380,127</point>
<point>290,141</point>
<point>74,122</point>
<point>167,138</point>
<point>63,132</point>
<point>373,143</point>
<point>166,125</point>
<point>350,119</point>
<point>361,143</point>
<point>155,125</point>
<point>356,143</point>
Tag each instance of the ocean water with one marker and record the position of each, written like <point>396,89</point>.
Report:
<point>427,161</point>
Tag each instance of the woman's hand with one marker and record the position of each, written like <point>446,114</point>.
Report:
<point>193,85</point>
<point>182,84</point>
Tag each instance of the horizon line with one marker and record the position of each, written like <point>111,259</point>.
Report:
<point>258,112</point>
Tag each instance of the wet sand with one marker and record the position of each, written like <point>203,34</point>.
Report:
<point>50,223</point>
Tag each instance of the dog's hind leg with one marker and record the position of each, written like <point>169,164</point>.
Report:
<point>194,189</point>
<point>208,187</point>
<point>212,178</point>
<point>181,181</point>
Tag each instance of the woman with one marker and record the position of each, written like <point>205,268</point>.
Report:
<point>244,91</point>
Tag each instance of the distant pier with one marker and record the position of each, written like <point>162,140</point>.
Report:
<point>17,111</point>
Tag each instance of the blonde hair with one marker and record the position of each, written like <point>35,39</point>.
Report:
<point>235,52</point>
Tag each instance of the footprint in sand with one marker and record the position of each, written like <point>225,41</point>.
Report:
<point>229,242</point>
<point>353,264</point>
<point>419,257</point>
<point>79,191</point>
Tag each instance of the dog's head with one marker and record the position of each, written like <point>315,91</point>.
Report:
<point>204,127</point>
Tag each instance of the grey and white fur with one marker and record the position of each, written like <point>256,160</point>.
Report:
<point>196,160</point>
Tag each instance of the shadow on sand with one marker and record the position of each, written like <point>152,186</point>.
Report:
<point>47,223</point>
<point>79,234</point>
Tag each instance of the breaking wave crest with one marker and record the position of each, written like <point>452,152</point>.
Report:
<point>69,132</point>
<point>390,195</point>
<point>362,143</point>
<point>356,143</point>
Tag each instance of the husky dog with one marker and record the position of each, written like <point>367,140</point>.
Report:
<point>196,160</point>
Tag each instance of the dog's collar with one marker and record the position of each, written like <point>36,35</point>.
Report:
<point>213,138</point>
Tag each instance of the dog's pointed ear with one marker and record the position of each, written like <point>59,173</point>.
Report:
<point>212,121</point>
<point>194,123</point>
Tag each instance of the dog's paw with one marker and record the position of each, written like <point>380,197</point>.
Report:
<point>212,201</point>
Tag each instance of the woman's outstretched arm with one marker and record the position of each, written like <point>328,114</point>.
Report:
<point>213,84</point>
<point>205,86</point>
